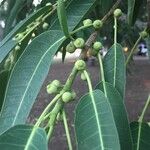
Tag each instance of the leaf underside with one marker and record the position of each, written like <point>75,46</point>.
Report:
<point>133,10</point>
<point>114,68</point>
<point>62,16</point>
<point>19,138</point>
<point>120,115</point>
<point>94,123</point>
<point>141,135</point>
<point>32,68</point>
<point>3,83</point>
<point>7,44</point>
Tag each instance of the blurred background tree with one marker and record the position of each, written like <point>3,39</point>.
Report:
<point>13,11</point>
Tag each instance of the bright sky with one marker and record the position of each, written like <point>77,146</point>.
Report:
<point>35,2</point>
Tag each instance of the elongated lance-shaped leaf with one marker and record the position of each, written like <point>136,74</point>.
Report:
<point>94,123</point>
<point>62,16</point>
<point>32,68</point>
<point>105,6</point>
<point>3,83</point>
<point>21,26</point>
<point>120,115</point>
<point>133,9</point>
<point>131,5</point>
<point>13,13</point>
<point>7,44</point>
<point>24,137</point>
<point>114,68</point>
<point>141,135</point>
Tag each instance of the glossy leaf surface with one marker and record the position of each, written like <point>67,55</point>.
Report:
<point>120,115</point>
<point>94,123</point>
<point>32,68</point>
<point>141,135</point>
<point>114,68</point>
<point>23,137</point>
<point>62,16</point>
<point>7,44</point>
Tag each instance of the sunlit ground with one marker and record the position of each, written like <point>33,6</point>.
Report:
<point>68,55</point>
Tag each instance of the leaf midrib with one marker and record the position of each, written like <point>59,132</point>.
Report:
<point>131,16</point>
<point>97,120</point>
<point>30,138</point>
<point>28,85</point>
<point>139,135</point>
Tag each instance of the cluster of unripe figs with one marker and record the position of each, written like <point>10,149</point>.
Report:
<point>37,22</point>
<point>79,43</point>
<point>118,13</point>
<point>56,87</point>
<point>20,36</point>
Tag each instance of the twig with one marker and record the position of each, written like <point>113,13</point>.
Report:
<point>67,130</point>
<point>144,109</point>
<point>132,50</point>
<point>93,36</point>
<point>111,11</point>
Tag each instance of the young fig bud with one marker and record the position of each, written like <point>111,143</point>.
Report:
<point>45,26</point>
<point>144,34</point>
<point>18,37</point>
<point>97,24</point>
<point>49,4</point>
<point>59,117</point>
<point>117,13</point>
<point>51,89</point>
<point>56,83</point>
<point>73,95</point>
<point>70,48</point>
<point>83,77</point>
<point>79,43</point>
<point>7,64</point>
<point>33,35</point>
<point>93,52</point>
<point>80,65</point>
<point>87,22</point>
<point>97,46</point>
<point>66,97</point>
<point>17,48</point>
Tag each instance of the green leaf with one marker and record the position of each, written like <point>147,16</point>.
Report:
<point>141,135</point>
<point>12,15</point>
<point>23,137</point>
<point>133,10</point>
<point>3,83</point>
<point>23,84</point>
<point>7,44</point>
<point>131,5</point>
<point>120,115</point>
<point>114,68</point>
<point>62,16</point>
<point>94,124</point>
<point>32,68</point>
<point>106,6</point>
<point>21,26</point>
<point>6,48</point>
